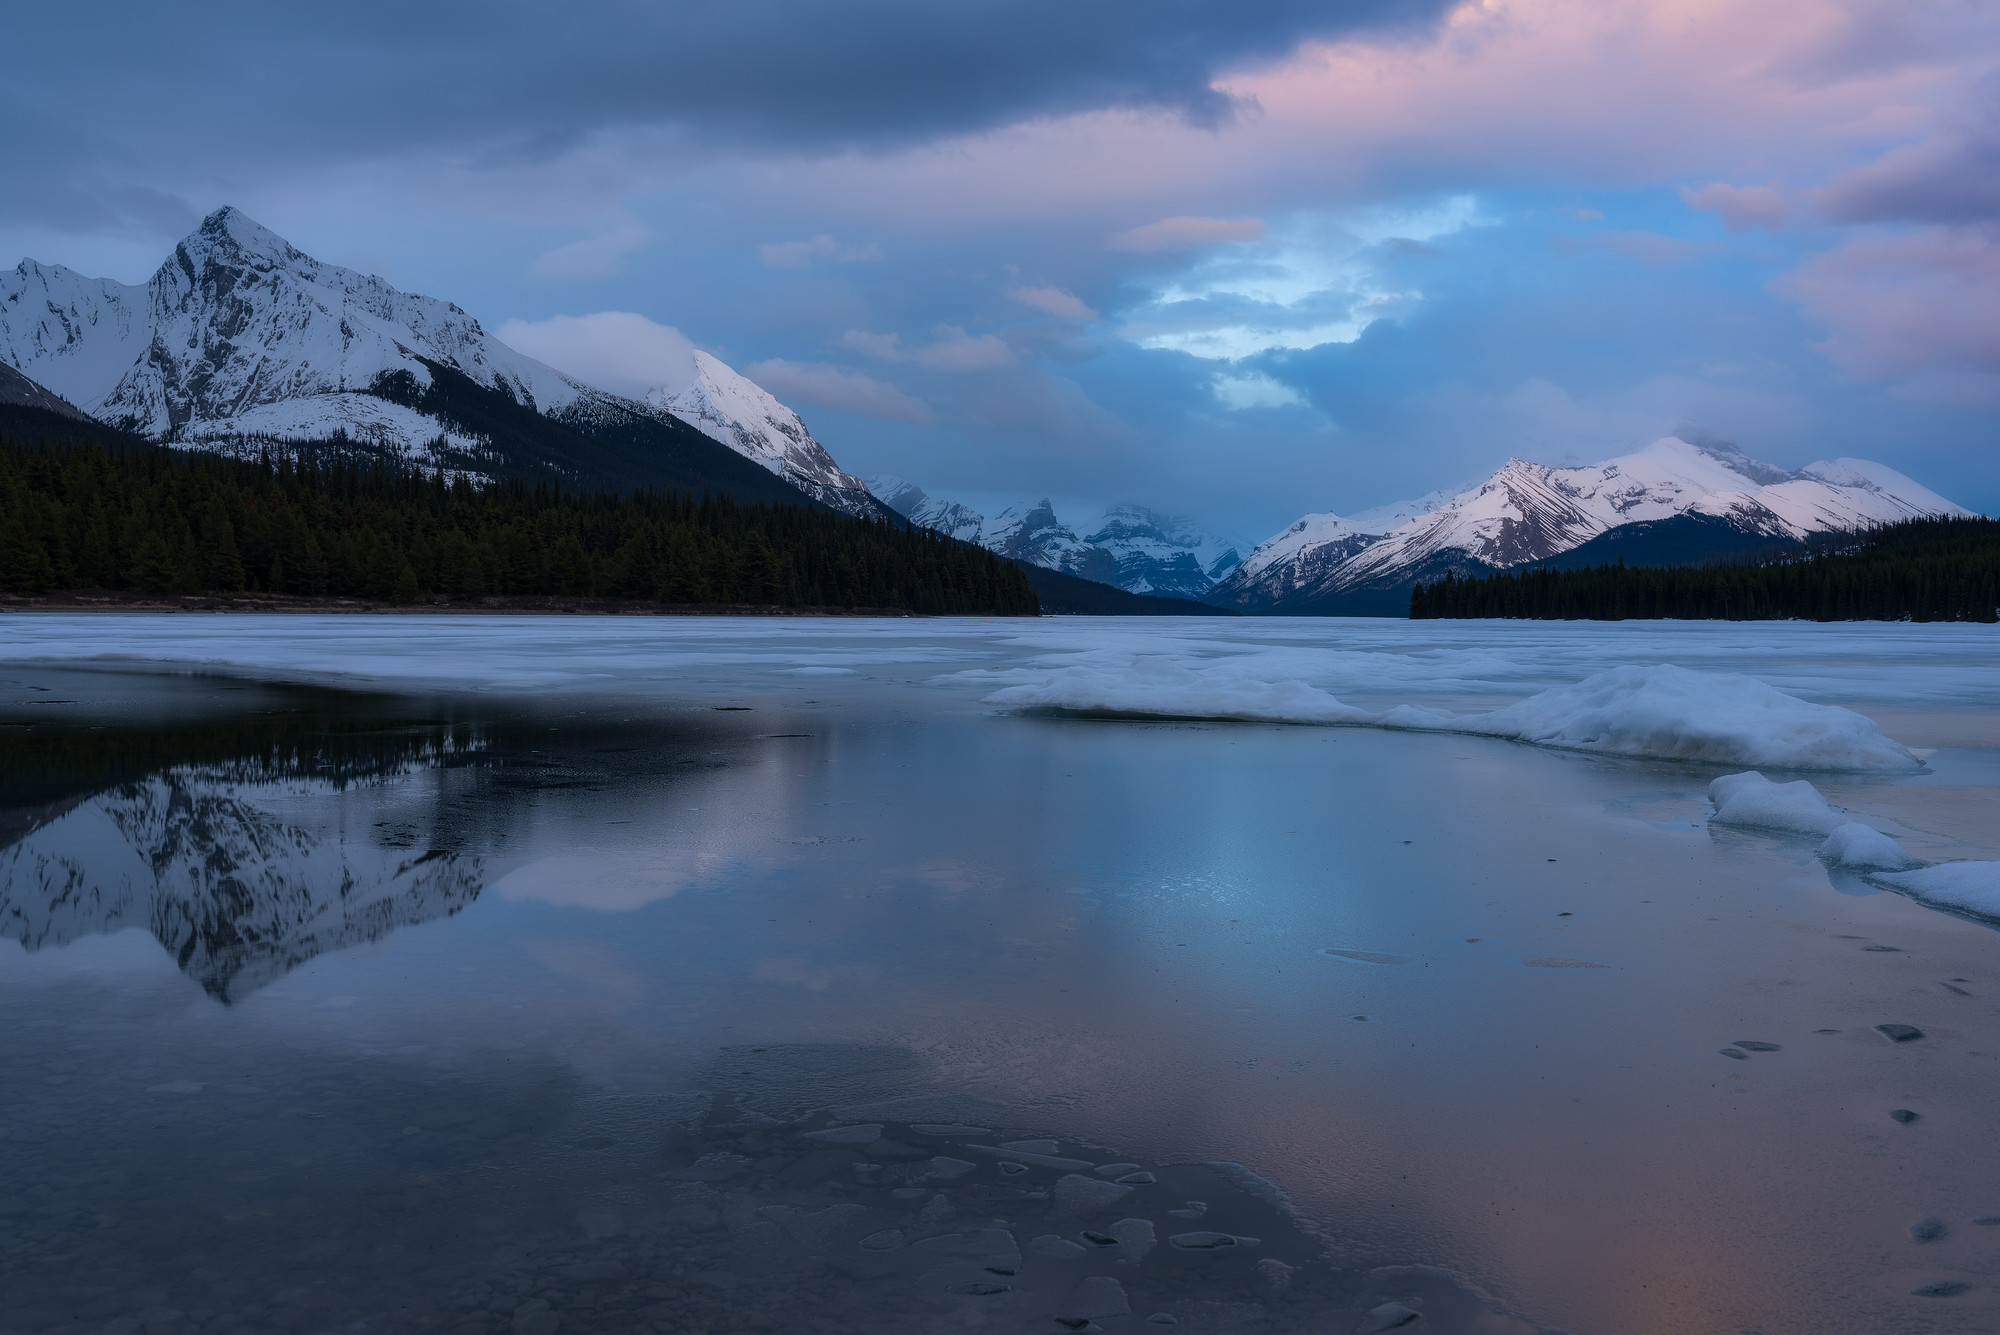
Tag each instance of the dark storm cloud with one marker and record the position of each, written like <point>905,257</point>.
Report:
<point>207,91</point>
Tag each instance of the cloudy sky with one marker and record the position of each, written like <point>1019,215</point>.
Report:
<point>1238,258</point>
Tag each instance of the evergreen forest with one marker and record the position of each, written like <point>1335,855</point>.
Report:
<point>1918,570</point>
<point>144,519</point>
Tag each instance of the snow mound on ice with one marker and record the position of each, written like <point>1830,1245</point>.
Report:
<point>1970,887</point>
<point>1670,713</point>
<point>1859,848</point>
<point>1753,800</point>
<point>1157,687</point>
<point>1657,711</point>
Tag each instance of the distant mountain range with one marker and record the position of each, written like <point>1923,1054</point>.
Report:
<point>240,339</point>
<point>1127,546</point>
<point>1674,502</point>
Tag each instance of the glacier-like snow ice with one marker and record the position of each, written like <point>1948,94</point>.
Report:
<point>1670,713</point>
<point>1656,710</point>
<point>1858,847</point>
<point>1969,887</point>
<point>1157,687</point>
<point>1753,800</point>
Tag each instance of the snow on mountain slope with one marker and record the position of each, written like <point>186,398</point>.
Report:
<point>1129,546</point>
<point>908,500</point>
<point>1526,512</point>
<point>235,891</point>
<point>240,335</point>
<point>734,410</point>
<point>238,320</point>
<point>1162,554</point>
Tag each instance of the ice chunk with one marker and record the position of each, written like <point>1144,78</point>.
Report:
<point>1079,1195</point>
<point>1857,846</point>
<point>1969,887</point>
<point>1668,712</point>
<point>1157,687</point>
<point>1096,1296</point>
<point>848,1135</point>
<point>1751,799</point>
<point>1135,1239</point>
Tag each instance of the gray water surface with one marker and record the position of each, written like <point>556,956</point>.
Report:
<point>399,1011</point>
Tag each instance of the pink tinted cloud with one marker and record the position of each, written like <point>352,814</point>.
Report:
<point>1612,93</point>
<point>1742,206</point>
<point>1053,301</point>
<point>839,389</point>
<point>950,349</point>
<point>1903,306</point>
<point>1187,233</point>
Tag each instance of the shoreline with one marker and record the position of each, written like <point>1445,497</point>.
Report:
<point>533,604</point>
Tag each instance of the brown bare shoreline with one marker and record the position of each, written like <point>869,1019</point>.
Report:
<point>534,604</point>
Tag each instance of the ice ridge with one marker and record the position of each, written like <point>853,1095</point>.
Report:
<point>1655,711</point>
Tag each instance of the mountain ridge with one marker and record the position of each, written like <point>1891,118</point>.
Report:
<point>239,338</point>
<point>1525,512</point>
<point>1128,547</point>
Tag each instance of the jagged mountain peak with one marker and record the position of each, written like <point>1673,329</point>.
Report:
<point>1131,546</point>
<point>231,231</point>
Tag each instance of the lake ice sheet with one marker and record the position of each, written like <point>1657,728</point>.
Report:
<point>1459,999</point>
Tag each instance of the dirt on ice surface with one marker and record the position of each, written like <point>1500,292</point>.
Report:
<point>518,975</point>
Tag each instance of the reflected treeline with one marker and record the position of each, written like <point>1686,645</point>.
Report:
<point>45,766</point>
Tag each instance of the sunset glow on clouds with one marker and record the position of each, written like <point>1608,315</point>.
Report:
<point>1325,264</point>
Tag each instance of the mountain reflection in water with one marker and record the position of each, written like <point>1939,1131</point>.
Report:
<point>237,893</point>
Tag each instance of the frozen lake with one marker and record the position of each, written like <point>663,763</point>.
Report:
<point>654,974</point>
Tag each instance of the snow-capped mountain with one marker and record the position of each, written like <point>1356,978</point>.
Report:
<point>1527,512</point>
<point>1128,546</point>
<point>734,410</point>
<point>241,337</point>
<point>908,500</point>
<point>1162,554</point>
<point>235,892</point>
<point>241,334</point>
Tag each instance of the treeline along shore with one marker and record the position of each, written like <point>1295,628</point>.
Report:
<point>1919,570</point>
<point>149,520</point>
